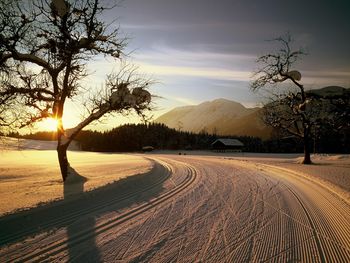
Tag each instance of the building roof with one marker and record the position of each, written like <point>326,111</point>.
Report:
<point>229,142</point>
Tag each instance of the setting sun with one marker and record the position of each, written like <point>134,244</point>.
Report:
<point>49,124</point>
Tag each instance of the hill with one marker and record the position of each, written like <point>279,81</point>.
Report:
<point>329,91</point>
<point>220,116</point>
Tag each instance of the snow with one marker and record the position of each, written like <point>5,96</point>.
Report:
<point>208,207</point>
<point>195,118</point>
<point>7,143</point>
<point>123,98</point>
<point>141,95</point>
<point>120,96</point>
<point>294,74</point>
<point>29,178</point>
<point>330,170</point>
<point>60,7</point>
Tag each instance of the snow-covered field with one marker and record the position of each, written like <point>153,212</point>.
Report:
<point>7,143</point>
<point>198,207</point>
<point>29,178</point>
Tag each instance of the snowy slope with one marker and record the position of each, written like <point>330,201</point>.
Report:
<point>222,116</point>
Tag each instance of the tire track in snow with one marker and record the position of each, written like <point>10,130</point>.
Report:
<point>251,213</point>
<point>57,247</point>
<point>268,223</point>
<point>315,232</point>
<point>327,216</point>
<point>67,218</point>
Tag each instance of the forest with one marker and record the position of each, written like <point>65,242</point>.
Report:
<point>133,137</point>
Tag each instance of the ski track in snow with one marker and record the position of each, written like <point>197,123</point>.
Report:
<point>195,209</point>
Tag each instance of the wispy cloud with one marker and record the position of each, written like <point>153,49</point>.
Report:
<point>319,79</point>
<point>193,55</point>
<point>209,73</point>
<point>160,26</point>
<point>163,60</point>
<point>328,74</point>
<point>185,101</point>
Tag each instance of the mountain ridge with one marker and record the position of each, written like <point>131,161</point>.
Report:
<point>220,116</point>
<point>227,117</point>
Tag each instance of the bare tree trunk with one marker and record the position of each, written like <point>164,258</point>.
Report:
<point>64,139</point>
<point>307,158</point>
<point>63,160</point>
<point>62,147</point>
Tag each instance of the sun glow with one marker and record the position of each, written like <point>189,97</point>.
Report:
<point>49,124</point>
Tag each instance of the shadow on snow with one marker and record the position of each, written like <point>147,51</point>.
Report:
<point>79,212</point>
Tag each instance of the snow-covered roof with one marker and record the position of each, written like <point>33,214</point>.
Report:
<point>229,142</point>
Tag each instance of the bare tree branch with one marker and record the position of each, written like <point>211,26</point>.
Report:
<point>45,46</point>
<point>291,112</point>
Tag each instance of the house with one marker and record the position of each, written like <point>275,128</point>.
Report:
<point>147,148</point>
<point>227,145</point>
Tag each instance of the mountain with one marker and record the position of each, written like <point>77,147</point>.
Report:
<point>225,117</point>
<point>329,91</point>
<point>220,116</point>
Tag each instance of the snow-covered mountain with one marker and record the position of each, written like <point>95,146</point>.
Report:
<point>220,116</point>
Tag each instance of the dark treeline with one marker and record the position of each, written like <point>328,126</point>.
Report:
<point>132,137</point>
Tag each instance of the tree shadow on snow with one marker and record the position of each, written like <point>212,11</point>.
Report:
<point>78,211</point>
<point>74,185</point>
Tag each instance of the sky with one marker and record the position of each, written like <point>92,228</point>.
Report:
<point>201,50</point>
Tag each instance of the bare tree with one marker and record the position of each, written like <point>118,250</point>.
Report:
<point>44,50</point>
<point>338,107</point>
<point>290,108</point>
<point>334,108</point>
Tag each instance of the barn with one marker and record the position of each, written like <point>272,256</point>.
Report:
<point>227,145</point>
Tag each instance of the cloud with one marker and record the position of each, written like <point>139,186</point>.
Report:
<point>165,61</point>
<point>157,27</point>
<point>185,101</point>
<point>194,55</point>
<point>328,74</point>
<point>209,73</point>
<point>326,78</point>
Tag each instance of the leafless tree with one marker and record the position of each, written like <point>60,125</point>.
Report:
<point>290,108</point>
<point>45,46</point>
<point>335,102</point>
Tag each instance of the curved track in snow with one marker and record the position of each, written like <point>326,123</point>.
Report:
<point>196,209</point>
